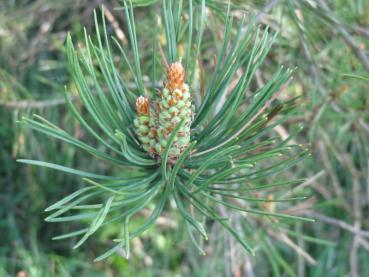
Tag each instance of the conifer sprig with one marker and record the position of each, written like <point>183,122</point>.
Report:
<point>159,146</point>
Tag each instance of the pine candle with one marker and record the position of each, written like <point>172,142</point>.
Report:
<point>154,126</point>
<point>145,124</point>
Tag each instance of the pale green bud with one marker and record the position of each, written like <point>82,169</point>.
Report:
<point>160,132</point>
<point>152,142</point>
<point>183,141</point>
<point>183,113</point>
<point>174,151</point>
<point>163,142</point>
<point>176,120</point>
<point>164,115</point>
<point>167,124</point>
<point>164,104</point>
<point>186,95</point>
<point>173,110</point>
<point>144,139</point>
<point>180,104</point>
<point>144,119</point>
<point>165,92</point>
<point>177,93</point>
<point>158,148</point>
<point>143,129</point>
<point>186,129</point>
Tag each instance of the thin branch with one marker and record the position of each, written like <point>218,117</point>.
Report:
<point>367,181</point>
<point>264,12</point>
<point>308,182</point>
<point>364,243</point>
<point>114,23</point>
<point>354,258</point>
<point>32,104</point>
<point>364,125</point>
<point>362,31</point>
<point>339,223</point>
<point>299,251</point>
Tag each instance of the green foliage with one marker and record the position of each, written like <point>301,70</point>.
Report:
<point>324,40</point>
<point>229,141</point>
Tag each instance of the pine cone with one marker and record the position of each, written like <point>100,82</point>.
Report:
<point>145,124</point>
<point>175,106</point>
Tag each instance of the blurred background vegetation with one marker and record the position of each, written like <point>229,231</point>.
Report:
<point>327,41</point>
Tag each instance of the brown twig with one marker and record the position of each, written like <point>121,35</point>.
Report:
<point>354,259</point>
<point>114,23</point>
<point>299,251</point>
<point>339,223</point>
<point>362,31</point>
<point>162,54</point>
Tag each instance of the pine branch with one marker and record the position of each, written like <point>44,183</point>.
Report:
<point>162,146</point>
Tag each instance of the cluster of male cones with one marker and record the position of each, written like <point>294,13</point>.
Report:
<point>156,120</point>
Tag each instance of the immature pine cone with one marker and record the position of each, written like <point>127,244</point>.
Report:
<point>145,124</point>
<point>174,106</point>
